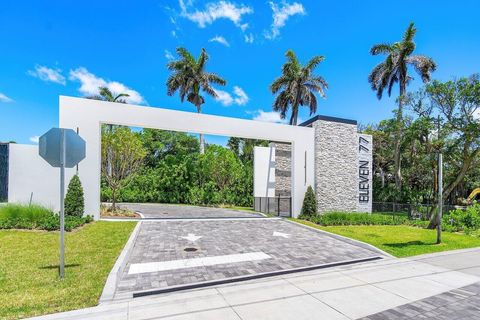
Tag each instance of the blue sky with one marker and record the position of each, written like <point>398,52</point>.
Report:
<point>52,48</point>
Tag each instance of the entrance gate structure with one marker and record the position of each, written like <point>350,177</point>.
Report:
<point>87,116</point>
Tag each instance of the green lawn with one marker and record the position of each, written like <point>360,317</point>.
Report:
<point>402,241</point>
<point>29,283</point>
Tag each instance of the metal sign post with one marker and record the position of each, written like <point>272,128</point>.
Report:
<point>62,148</point>
<point>440,197</point>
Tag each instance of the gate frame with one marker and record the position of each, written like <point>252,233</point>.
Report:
<point>87,115</point>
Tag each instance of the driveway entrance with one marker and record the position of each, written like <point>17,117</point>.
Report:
<point>174,211</point>
<point>169,254</point>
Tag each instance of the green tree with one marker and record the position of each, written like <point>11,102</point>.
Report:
<point>297,86</point>
<point>190,78</point>
<point>395,70</point>
<point>74,201</point>
<point>457,104</point>
<point>161,143</point>
<point>122,155</point>
<point>105,94</point>
<point>309,208</point>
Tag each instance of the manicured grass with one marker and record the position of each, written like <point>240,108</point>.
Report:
<point>29,283</point>
<point>402,241</point>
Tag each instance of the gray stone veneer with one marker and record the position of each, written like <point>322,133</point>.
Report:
<point>283,169</point>
<point>336,165</point>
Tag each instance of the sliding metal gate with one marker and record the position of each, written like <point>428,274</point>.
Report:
<point>279,206</point>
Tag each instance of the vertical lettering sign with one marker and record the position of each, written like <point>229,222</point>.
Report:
<point>364,173</point>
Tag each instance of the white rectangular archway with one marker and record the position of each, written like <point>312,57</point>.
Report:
<point>87,115</point>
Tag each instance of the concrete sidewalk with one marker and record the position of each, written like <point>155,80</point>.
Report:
<point>348,292</point>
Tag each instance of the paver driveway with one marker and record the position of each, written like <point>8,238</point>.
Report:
<point>226,249</point>
<point>171,211</point>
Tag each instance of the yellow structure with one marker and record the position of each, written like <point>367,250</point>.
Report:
<point>472,195</point>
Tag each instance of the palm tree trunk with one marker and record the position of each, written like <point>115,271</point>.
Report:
<point>202,139</point>
<point>398,142</point>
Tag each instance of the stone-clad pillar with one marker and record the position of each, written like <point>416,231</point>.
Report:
<point>283,169</point>
<point>336,159</point>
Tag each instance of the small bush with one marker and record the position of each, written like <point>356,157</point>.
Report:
<point>309,208</point>
<point>74,201</point>
<point>19,216</point>
<point>348,219</point>
<point>462,220</point>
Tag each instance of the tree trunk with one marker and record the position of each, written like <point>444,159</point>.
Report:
<point>293,119</point>
<point>446,193</point>
<point>202,144</point>
<point>202,139</point>
<point>398,142</point>
<point>114,200</point>
<point>382,177</point>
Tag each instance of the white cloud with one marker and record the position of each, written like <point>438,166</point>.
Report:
<point>281,14</point>
<point>215,10</point>
<point>34,139</point>
<point>90,84</point>
<point>249,38</point>
<point>169,55</point>
<point>4,98</point>
<point>268,116</point>
<point>224,97</point>
<point>47,74</point>
<point>239,97</point>
<point>220,40</point>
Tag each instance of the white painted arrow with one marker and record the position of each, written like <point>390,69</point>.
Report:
<point>281,234</point>
<point>191,237</point>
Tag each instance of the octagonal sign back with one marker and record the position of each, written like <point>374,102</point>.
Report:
<point>49,147</point>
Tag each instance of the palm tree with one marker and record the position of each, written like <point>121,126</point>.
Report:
<point>105,94</point>
<point>395,70</point>
<point>297,86</point>
<point>189,78</point>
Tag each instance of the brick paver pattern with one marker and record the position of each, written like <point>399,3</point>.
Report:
<point>169,211</point>
<point>161,241</point>
<point>458,304</point>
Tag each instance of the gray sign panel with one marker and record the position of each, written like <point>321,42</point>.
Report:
<point>50,147</point>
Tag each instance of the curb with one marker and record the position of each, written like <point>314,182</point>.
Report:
<point>443,253</point>
<point>346,239</point>
<point>233,280</point>
<point>110,287</point>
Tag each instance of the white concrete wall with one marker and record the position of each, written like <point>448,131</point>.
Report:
<point>88,115</point>
<point>29,173</point>
<point>264,172</point>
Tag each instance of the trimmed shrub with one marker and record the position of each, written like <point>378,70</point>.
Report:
<point>462,220</point>
<point>309,207</point>
<point>74,201</point>
<point>350,219</point>
<point>19,216</point>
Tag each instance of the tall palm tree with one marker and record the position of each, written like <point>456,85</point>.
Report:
<point>297,86</point>
<point>106,94</point>
<point>190,79</point>
<point>395,70</point>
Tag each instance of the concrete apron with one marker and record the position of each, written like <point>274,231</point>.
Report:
<point>344,292</point>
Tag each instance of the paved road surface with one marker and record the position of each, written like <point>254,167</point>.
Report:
<point>237,247</point>
<point>170,211</point>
